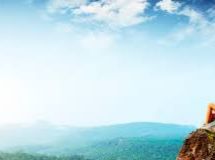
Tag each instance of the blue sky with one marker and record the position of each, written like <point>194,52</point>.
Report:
<point>86,63</point>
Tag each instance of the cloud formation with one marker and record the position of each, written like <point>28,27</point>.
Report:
<point>118,14</point>
<point>168,5</point>
<point>199,24</point>
<point>114,13</point>
<point>62,5</point>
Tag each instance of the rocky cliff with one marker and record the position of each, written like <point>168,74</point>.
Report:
<point>200,145</point>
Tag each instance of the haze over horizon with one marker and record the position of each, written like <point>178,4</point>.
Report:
<point>91,63</point>
<point>46,123</point>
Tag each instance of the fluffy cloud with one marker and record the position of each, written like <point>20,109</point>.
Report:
<point>115,13</point>
<point>199,28</point>
<point>199,25</point>
<point>194,16</point>
<point>168,5</point>
<point>60,5</point>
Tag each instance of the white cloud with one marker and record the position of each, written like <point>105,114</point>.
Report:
<point>194,16</point>
<point>118,12</point>
<point>115,13</point>
<point>199,27</point>
<point>168,6</point>
<point>56,5</point>
<point>198,24</point>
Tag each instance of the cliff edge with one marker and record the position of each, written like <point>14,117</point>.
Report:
<point>200,145</point>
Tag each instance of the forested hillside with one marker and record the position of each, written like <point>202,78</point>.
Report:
<point>24,156</point>
<point>120,148</point>
<point>134,149</point>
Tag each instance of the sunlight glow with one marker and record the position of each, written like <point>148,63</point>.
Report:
<point>11,98</point>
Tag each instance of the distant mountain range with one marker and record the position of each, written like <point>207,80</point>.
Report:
<point>123,140</point>
<point>42,133</point>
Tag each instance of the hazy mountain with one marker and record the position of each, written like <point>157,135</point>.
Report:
<point>43,137</point>
<point>132,141</point>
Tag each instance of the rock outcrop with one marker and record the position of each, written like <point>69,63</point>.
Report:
<point>200,145</point>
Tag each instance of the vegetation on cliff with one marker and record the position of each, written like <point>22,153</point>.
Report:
<point>198,146</point>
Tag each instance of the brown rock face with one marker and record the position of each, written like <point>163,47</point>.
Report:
<point>200,145</point>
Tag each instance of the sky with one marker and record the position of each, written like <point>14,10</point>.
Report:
<point>99,62</point>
